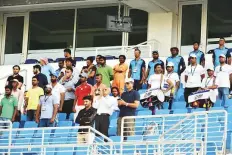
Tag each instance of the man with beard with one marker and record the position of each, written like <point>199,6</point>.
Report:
<point>42,79</point>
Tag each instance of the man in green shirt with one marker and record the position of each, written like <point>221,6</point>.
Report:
<point>8,105</point>
<point>106,72</point>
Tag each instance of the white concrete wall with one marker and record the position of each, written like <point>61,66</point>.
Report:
<point>163,27</point>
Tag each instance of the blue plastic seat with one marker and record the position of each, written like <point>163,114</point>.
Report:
<point>71,117</point>
<point>50,60</point>
<point>64,123</point>
<point>198,109</point>
<point>162,111</point>
<point>113,127</point>
<point>60,59</point>
<point>79,59</point>
<point>144,113</point>
<point>217,108</point>
<point>30,124</point>
<point>180,111</point>
<point>114,115</point>
<point>23,117</point>
<point>16,125</point>
<point>66,151</point>
<point>62,116</point>
<point>109,57</point>
<point>178,105</point>
<point>115,138</point>
<point>31,61</point>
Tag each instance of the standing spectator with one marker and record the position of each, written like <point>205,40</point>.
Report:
<point>67,53</point>
<point>86,117</point>
<point>137,70</point>
<point>69,85</point>
<point>174,78</point>
<point>18,94</point>
<point>71,63</point>
<point>99,86</point>
<point>47,109</point>
<point>177,60</point>
<point>91,71</point>
<point>42,79</point>
<point>221,50</point>
<point>8,105</point>
<point>46,68</point>
<point>151,64</point>
<point>16,70</point>
<point>58,90</point>
<point>128,104</point>
<point>194,74</point>
<point>61,70</point>
<point>84,89</point>
<point>104,106</point>
<point>199,54</point>
<point>223,79</point>
<point>32,99</point>
<point>115,92</point>
<point>98,61</point>
<point>120,74</point>
<point>106,72</point>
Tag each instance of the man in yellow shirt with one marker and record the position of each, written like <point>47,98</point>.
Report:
<point>32,99</point>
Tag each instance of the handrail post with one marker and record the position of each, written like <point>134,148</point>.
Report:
<point>10,137</point>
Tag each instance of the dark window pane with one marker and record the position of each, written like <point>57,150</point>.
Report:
<point>14,35</point>
<point>51,29</point>
<point>191,24</point>
<point>91,28</point>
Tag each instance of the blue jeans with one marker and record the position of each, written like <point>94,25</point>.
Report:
<point>46,123</point>
<point>223,94</point>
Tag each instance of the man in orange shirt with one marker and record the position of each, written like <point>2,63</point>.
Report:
<point>120,74</point>
<point>84,89</point>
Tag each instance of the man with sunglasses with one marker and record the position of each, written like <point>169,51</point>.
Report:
<point>223,79</point>
<point>128,104</point>
<point>151,64</point>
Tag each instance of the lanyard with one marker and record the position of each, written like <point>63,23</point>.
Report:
<point>193,71</point>
<point>45,99</point>
<point>206,83</point>
<point>170,75</point>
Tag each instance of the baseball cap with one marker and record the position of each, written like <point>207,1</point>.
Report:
<point>83,75</point>
<point>170,64</point>
<point>49,86</point>
<point>15,80</point>
<point>222,55</point>
<point>210,69</point>
<point>129,80</point>
<point>193,55</point>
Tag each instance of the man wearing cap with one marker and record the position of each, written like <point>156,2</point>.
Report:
<point>137,70</point>
<point>47,109</point>
<point>177,60</point>
<point>58,90</point>
<point>84,89</point>
<point>200,55</point>
<point>19,96</point>
<point>151,64</point>
<point>194,74</point>
<point>223,79</point>
<point>174,78</point>
<point>221,50</point>
<point>128,104</point>
<point>16,70</point>
<point>46,68</point>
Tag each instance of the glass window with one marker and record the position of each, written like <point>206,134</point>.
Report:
<point>139,27</point>
<point>91,28</point>
<point>51,29</point>
<point>191,24</point>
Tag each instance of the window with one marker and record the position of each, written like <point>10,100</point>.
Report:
<point>91,28</point>
<point>51,29</point>
<point>139,27</point>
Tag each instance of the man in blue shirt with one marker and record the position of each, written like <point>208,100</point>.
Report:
<point>46,68</point>
<point>151,64</point>
<point>137,70</point>
<point>199,54</point>
<point>221,50</point>
<point>177,60</point>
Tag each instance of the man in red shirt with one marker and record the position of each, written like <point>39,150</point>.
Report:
<point>84,89</point>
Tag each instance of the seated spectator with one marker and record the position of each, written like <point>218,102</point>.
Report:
<point>98,86</point>
<point>128,104</point>
<point>86,117</point>
<point>19,96</point>
<point>16,70</point>
<point>8,105</point>
<point>32,99</point>
<point>46,68</point>
<point>105,106</point>
<point>69,85</point>
<point>47,109</point>
<point>61,70</point>
<point>42,79</point>
<point>91,71</point>
<point>71,63</point>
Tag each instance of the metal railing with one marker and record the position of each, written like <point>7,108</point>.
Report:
<point>209,127</point>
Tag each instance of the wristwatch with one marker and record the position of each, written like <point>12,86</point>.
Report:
<point>126,104</point>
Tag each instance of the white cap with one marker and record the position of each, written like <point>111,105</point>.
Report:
<point>222,55</point>
<point>15,80</point>
<point>193,55</point>
<point>49,86</point>
<point>170,64</point>
<point>129,80</point>
<point>84,75</point>
<point>210,68</point>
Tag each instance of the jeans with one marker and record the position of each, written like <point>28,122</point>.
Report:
<point>31,115</point>
<point>46,123</point>
<point>223,94</point>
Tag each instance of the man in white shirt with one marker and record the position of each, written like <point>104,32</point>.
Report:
<point>18,94</point>
<point>174,78</point>
<point>71,63</point>
<point>194,74</point>
<point>105,106</point>
<point>223,79</point>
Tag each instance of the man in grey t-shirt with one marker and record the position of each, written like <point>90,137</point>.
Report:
<point>47,109</point>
